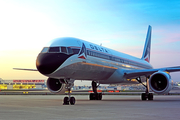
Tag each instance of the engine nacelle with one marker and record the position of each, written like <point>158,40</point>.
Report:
<point>56,86</point>
<point>160,82</point>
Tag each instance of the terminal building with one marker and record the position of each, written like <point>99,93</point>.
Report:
<point>22,84</point>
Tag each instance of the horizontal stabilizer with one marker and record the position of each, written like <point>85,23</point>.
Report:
<point>25,69</point>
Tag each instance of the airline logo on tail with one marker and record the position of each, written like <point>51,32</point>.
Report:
<point>82,53</point>
<point>147,53</point>
<point>147,47</point>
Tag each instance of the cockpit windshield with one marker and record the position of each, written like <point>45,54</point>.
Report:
<point>54,49</point>
<point>44,50</point>
<point>63,49</point>
<point>66,50</point>
<point>69,50</point>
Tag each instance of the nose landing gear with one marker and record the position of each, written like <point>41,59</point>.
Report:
<point>69,99</point>
<point>69,84</point>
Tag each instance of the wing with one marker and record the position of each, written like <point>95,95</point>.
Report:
<point>25,69</point>
<point>128,74</point>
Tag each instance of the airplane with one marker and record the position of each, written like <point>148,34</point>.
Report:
<point>64,60</point>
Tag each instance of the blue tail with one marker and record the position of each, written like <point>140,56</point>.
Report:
<point>147,46</point>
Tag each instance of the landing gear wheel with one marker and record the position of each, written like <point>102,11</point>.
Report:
<point>146,96</point>
<point>91,96</point>
<point>143,96</point>
<point>95,96</point>
<point>99,96</point>
<point>66,101</point>
<point>72,100</point>
<point>150,96</point>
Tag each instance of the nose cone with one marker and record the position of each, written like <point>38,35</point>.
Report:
<point>47,63</point>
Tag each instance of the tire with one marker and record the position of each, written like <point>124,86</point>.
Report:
<point>91,96</point>
<point>96,96</point>
<point>66,101</point>
<point>143,96</point>
<point>150,96</point>
<point>99,96</point>
<point>72,100</point>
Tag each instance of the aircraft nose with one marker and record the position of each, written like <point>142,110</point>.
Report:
<point>47,63</point>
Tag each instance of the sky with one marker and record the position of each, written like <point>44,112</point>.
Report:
<point>27,25</point>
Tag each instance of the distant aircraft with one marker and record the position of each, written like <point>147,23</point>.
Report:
<point>64,60</point>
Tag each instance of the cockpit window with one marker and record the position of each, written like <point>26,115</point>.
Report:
<point>54,49</point>
<point>69,50</point>
<point>45,49</point>
<point>66,50</point>
<point>63,49</point>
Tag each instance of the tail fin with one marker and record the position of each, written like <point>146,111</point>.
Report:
<point>147,46</point>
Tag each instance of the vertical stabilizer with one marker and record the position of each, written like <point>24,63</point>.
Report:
<point>147,46</point>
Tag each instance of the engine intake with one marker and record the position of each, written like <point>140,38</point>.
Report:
<point>160,82</point>
<point>55,86</point>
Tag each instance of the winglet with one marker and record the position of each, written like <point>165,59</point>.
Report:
<point>147,46</point>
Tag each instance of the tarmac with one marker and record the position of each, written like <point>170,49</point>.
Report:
<point>111,107</point>
<point>76,92</point>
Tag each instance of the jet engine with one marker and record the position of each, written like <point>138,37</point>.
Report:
<point>160,82</point>
<point>56,86</point>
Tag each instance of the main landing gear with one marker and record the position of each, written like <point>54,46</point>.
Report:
<point>69,99</point>
<point>95,95</point>
<point>146,95</point>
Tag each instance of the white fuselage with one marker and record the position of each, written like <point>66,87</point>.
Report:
<point>83,60</point>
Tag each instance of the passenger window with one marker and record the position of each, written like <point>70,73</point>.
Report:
<point>69,50</point>
<point>63,49</point>
<point>44,50</point>
<point>54,49</point>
